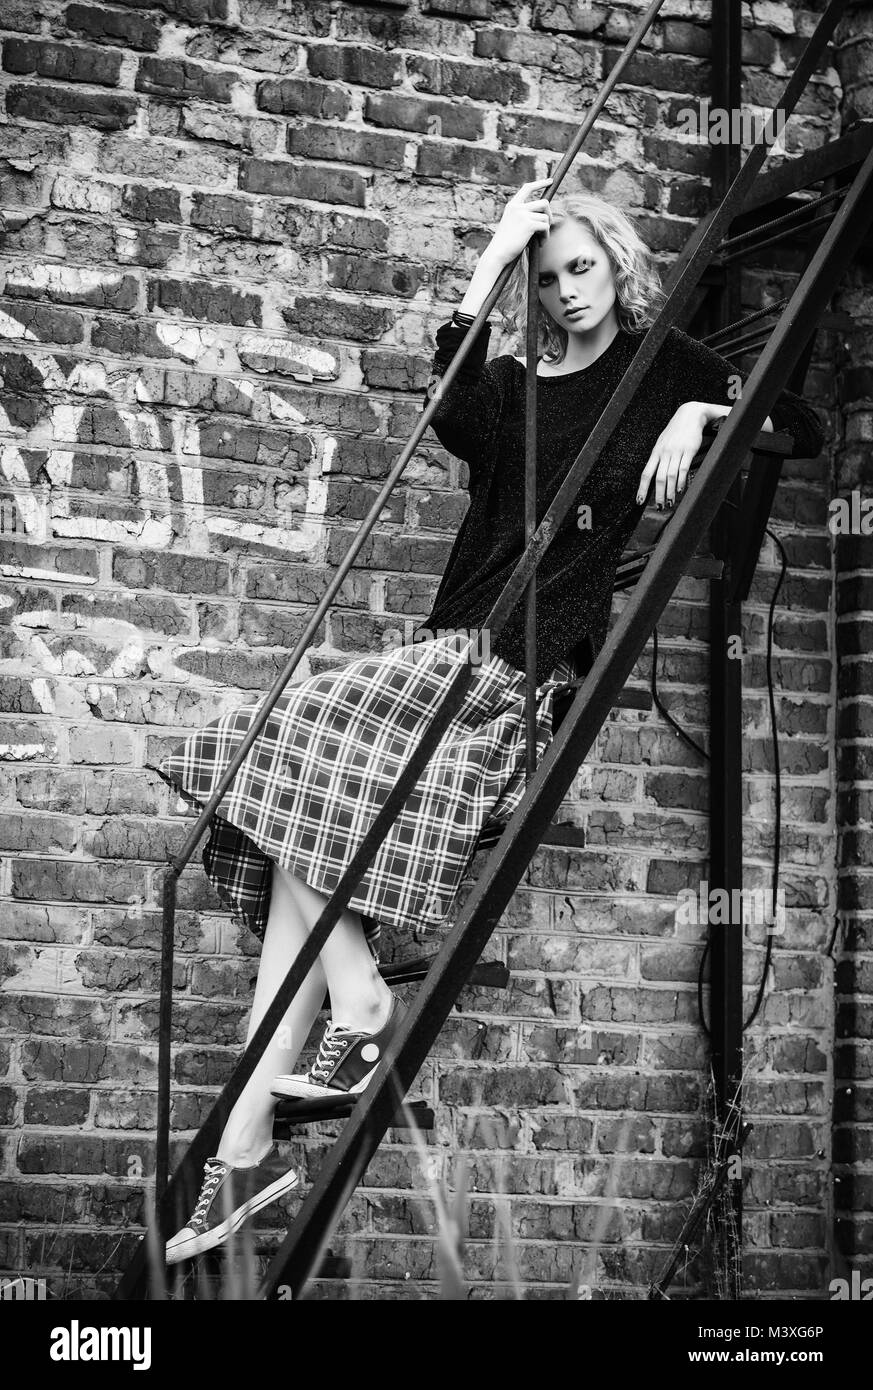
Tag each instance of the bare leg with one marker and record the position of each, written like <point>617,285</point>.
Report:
<point>248,1132</point>
<point>359,997</point>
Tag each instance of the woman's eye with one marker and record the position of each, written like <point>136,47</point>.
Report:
<point>579,268</point>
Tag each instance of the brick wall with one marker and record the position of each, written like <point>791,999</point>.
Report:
<point>231,229</point>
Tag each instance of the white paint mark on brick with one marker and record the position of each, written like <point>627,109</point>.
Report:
<point>11,328</point>
<point>283,410</point>
<point>82,195</point>
<point>63,423</point>
<point>44,616</point>
<point>41,691</point>
<point>88,379</point>
<point>59,466</point>
<point>143,429</point>
<point>191,344</point>
<point>278,536</point>
<point>154,533</point>
<point>328,452</point>
<point>18,752</point>
<point>61,279</point>
<point>313,528</point>
<point>56,576</point>
<point>32,507</point>
<point>299,360</point>
<point>191,483</point>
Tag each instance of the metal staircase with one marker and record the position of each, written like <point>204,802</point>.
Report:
<point>754,206</point>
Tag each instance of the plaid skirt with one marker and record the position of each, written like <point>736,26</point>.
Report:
<point>326,760</point>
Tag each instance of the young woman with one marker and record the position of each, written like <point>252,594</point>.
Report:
<point>336,742</point>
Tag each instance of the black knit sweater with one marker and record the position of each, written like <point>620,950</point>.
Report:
<point>481,420</point>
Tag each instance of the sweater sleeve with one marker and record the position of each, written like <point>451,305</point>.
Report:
<point>466,417</point>
<point>704,375</point>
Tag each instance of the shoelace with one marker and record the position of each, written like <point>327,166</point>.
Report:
<point>335,1042</point>
<point>214,1172</point>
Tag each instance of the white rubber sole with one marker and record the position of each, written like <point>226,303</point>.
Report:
<point>185,1247</point>
<point>299,1087</point>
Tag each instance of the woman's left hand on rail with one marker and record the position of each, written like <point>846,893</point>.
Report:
<point>671,457</point>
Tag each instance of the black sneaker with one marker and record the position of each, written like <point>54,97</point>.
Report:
<point>229,1195</point>
<point>345,1063</point>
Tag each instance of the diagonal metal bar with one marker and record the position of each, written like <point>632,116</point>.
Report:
<point>794,175</point>
<point>714,340</point>
<point>344,1165</point>
<point>786,222</point>
<point>753,247</point>
<point>694,259</point>
<point>530,505</point>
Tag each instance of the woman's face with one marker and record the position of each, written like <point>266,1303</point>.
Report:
<point>575,274</point>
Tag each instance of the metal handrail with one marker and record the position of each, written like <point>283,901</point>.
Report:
<point>693,260</point>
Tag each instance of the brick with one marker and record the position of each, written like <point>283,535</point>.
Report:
<point>176,573</point>
<point>367,275</point>
<point>451,121</point>
<point>194,11</point>
<point>178,79</point>
<point>563,57</point>
<point>264,626</point>
<point>360,321</point>
<point>21,17</point>
<point>354,63</point>
<point>67,1106</point>
<point>64,106</point>
<point>225,128</point>
<point>117,27</point>
<point>152,613</point>
<point>479,81</point>
<point>395,371</point>
<point>38,834</point>
<point>123,338</point>
<point>252,444</point>
<point>297,96</point>
<point>221,212</point>
<point>533,131</point>
<point>146,204</point>
<point>209,302</point>
<point>62,61</point>
<point>43,323</point>
<point>320,184</point>
<point>26,740</point>
<point>450,161</point>
<point>351,146</point>
<point>69,285</point>
<point>664,74</point>
<point>75,882</point>
<point>463,9</point>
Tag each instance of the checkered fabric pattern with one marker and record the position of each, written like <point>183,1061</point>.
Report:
<point>325,762</point>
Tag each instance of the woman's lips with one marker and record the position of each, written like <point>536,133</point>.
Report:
<point>574,313</point>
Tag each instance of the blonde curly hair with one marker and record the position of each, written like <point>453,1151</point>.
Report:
<point>638,291</point>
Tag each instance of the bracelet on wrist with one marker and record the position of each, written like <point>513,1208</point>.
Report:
<point>463,320</point>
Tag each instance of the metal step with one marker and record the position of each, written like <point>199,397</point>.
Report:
<point>415,1114</point>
